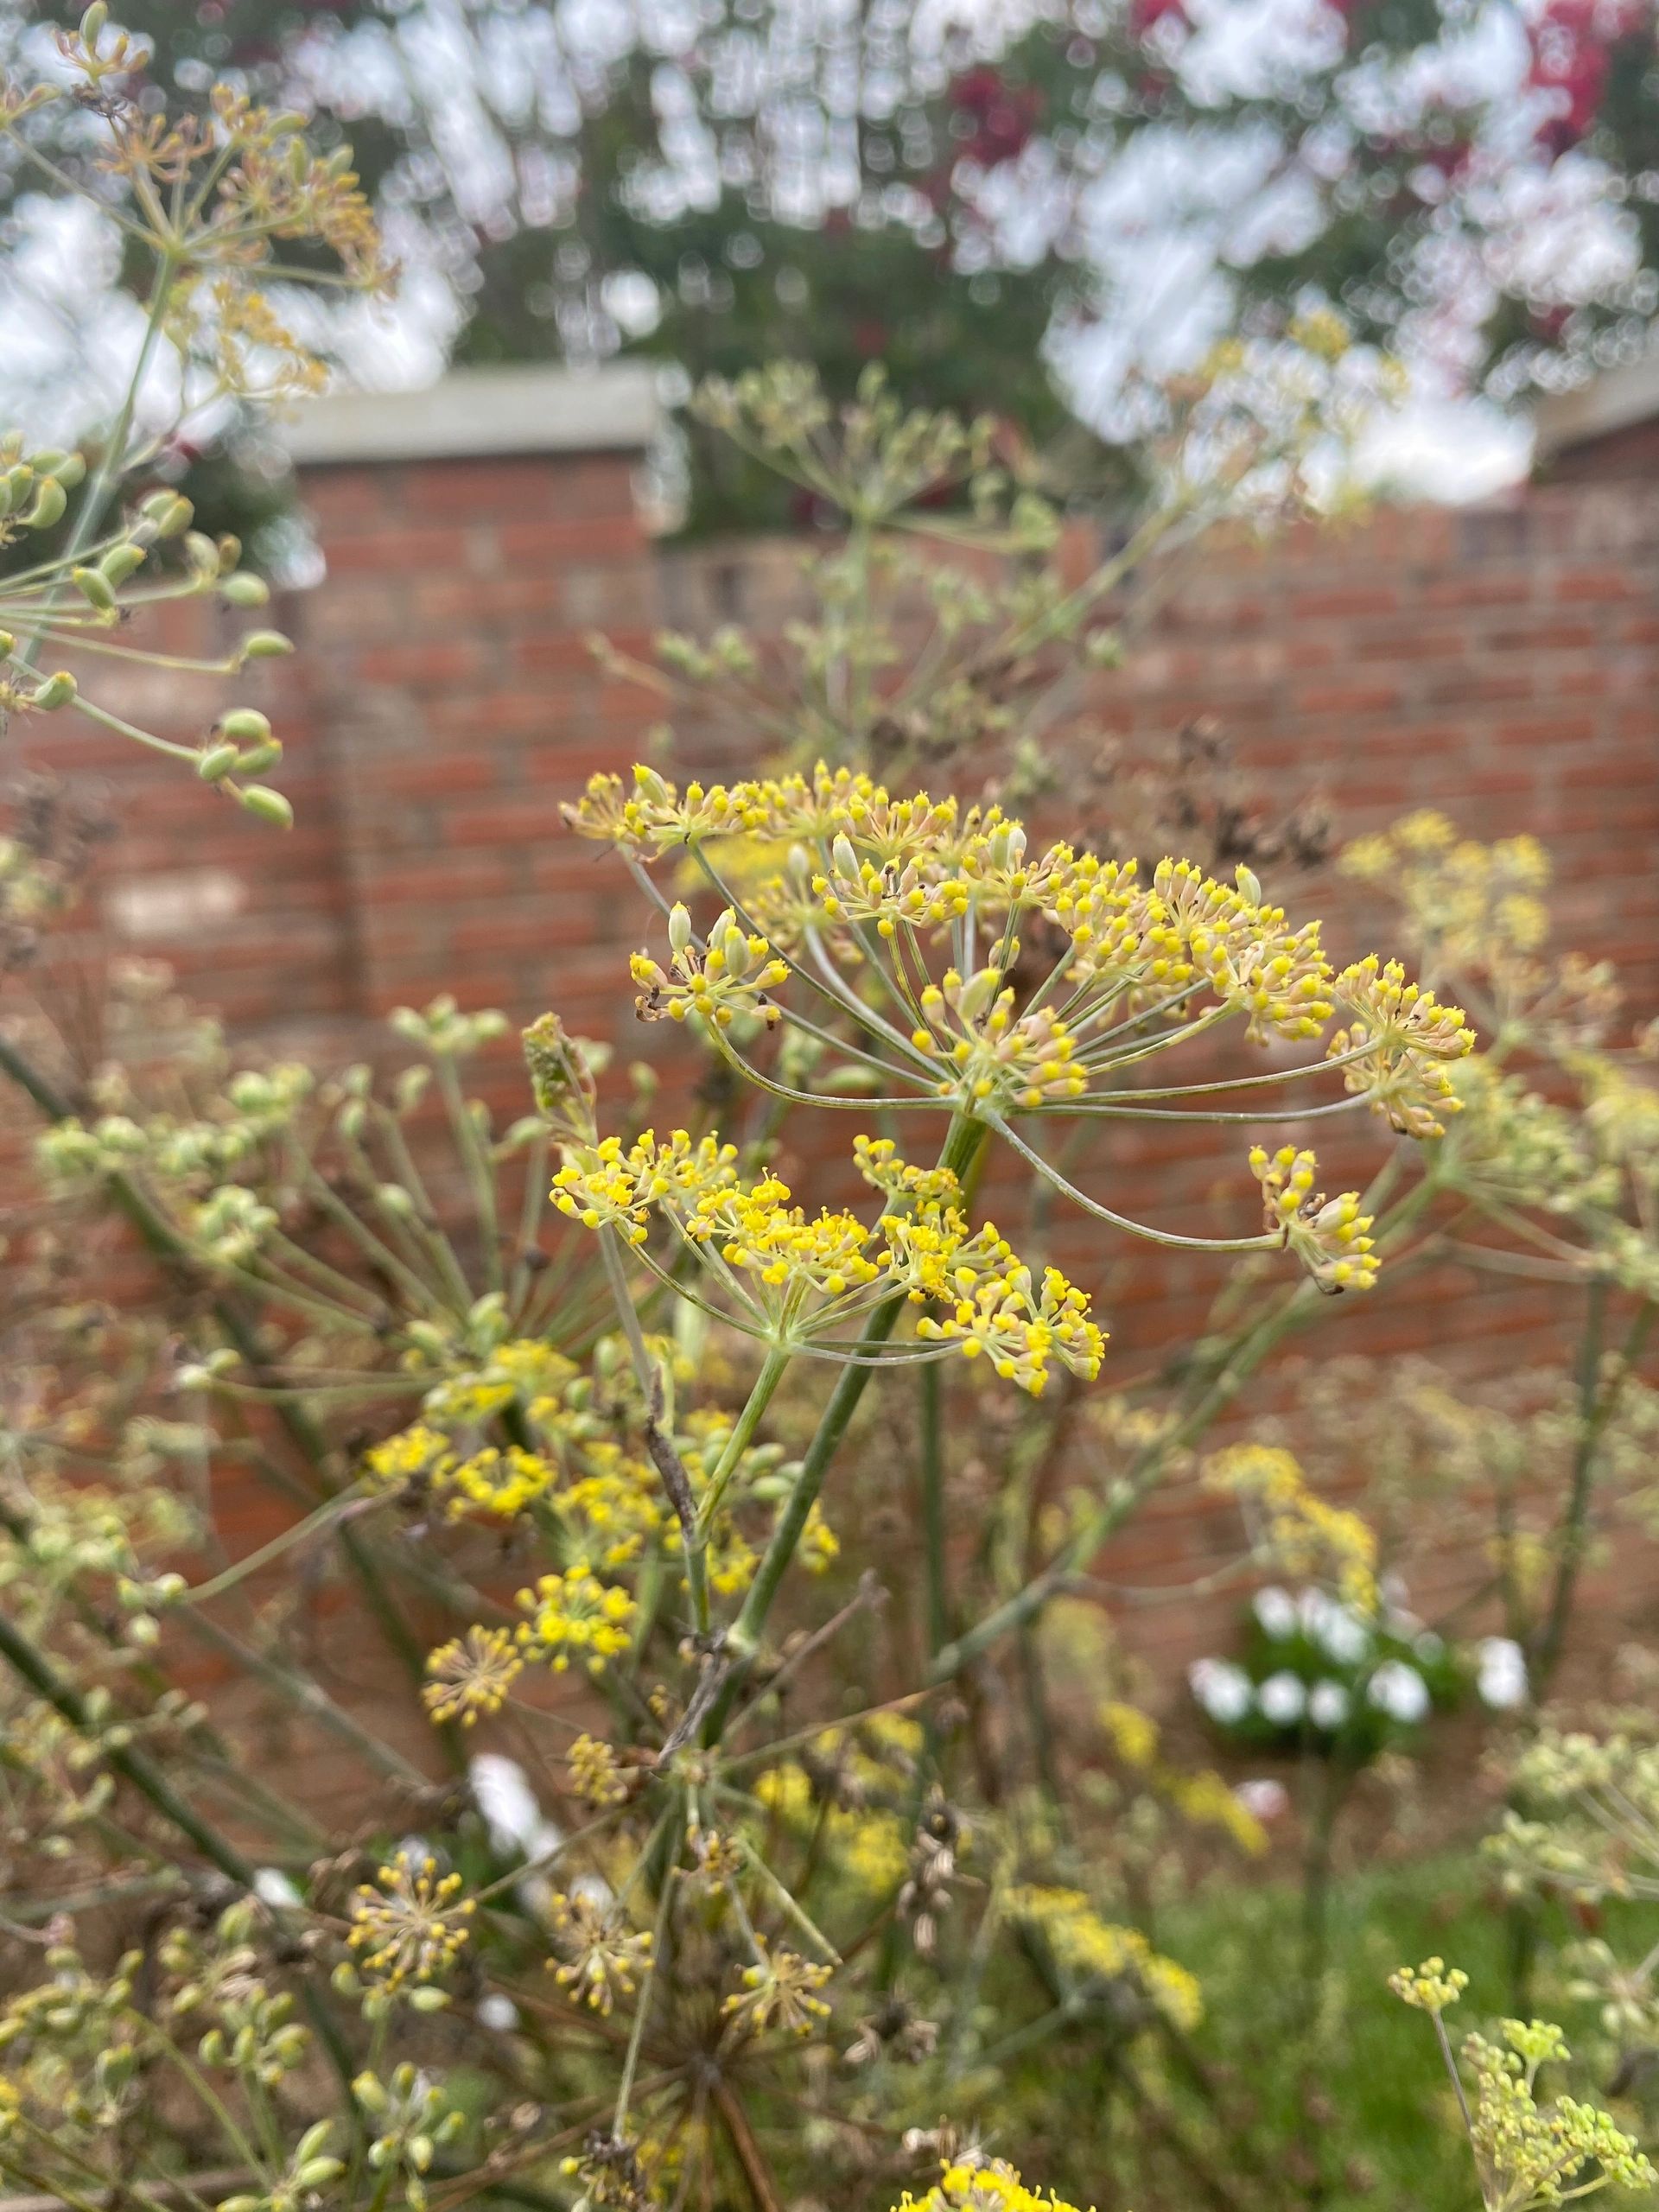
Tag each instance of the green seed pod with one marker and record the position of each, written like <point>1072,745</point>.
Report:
<point>258,757</point>
<point>265,645</point>
<point>168,513</point>
<point>315,2171</point>
<point>92,22</point>
<point>245,725</point>
<point>269,805</point>
<point>215,763</point>
<point>95,588</point>
<point>122,562</point>
<point>49,502</point>
<point>57,691</point>
<point>15,485</point>
<point>240,590</point>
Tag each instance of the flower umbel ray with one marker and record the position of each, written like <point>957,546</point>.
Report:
<point>923,956</point>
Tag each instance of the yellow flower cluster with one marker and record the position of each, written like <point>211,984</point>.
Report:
<point>1408,1040</point>
<point>1480,908</point>
<point>471,1676</point>
<point>780,1989</point>
<point>1304,1533</point>
<point>730,973</point>
<point>1327,1235</point>
<point>1083,1943</point>
<point>904,866</point>
<point>1202,1797</point>
<point>576,1616</point>
<point>793,1278</point>
<point>603,1956</point>
<point>979,2184</point>
<point>411,1927</point>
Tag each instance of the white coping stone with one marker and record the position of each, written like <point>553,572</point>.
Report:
<point>475,411</point>
<point>1611,402</point>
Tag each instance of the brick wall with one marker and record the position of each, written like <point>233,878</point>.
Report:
<point>1499,662</point>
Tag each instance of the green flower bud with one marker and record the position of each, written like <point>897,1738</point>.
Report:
<point>92,22</point>
<point>240,590</point>
<point>57,691</point>
<point>121,562</point>
<point>265,645</point>
<point>15,485</point>
<point>245,724</point>
<point>166,513</point>
<point>258,757</point>
<point>215,762</point>
<point>95,588</point>
<point>49,502</point>
<point>269,805</point>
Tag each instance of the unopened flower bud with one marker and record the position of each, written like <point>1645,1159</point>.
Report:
<point>56,691</point>
<point>49,501</point>
<point>168,513</point>
<point>122,562</point>
<point>95,588</point>
<point>240,590</point>
<point>269,805</point>
<point>246,725</point>
<point>265,645</point>
<point>215,762</point>
<point>679,928</point>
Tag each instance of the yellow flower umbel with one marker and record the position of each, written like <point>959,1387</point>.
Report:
<point>804,1282</point>
<point>1525,2154</point>
<point>1084,1944</point>
<point>894,941</point>
<point>471,1676</point>
<point>574,1616</point>
<point>1302,1533</point>
<point>980,2185</point>
<point>1329,1236</point>
<point>413,1926</point>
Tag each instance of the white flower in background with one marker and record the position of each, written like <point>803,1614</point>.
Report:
<point>1282,1698</point>
<point>499,2012</point>
<point>1341,1633</point>
<point>1222,1688</point>
<point>1400,1691</point>
<point>1275,1612</point>
<point>1328,1704</point>
<point>1265,1799</point>
<point>1501,1681</point>
<point>271,1886</point>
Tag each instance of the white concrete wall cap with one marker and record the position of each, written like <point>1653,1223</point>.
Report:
<point>473,412</point>
<point>1611,402</point>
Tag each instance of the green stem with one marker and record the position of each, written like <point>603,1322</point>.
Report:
<point>637,2034</point>
<point>932,1471</point>
<point>771,1374</point>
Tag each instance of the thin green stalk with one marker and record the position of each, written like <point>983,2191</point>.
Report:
<point>932,1474</point>
<point>774,1369</point>
<point>637,2034</point>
